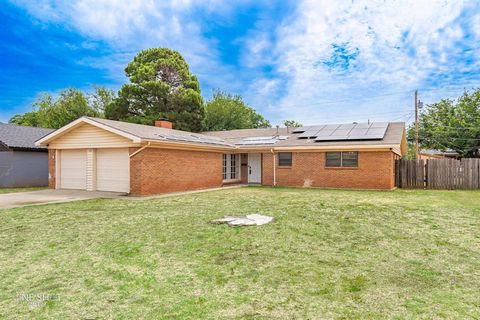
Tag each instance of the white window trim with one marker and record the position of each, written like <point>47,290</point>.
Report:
<point>227,164</point>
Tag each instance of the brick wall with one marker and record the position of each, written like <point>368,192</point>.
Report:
<point>155,170</point>
<point>51,169</point>
<point>376,170</point>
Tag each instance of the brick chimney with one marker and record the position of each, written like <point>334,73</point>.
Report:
<point>163,123</point>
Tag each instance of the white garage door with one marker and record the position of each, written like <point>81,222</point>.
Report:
<point>113,170</point>
<point>73,169</point>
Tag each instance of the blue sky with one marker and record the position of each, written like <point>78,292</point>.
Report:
<point>311,61</point>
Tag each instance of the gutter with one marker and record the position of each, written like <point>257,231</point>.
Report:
<point>140,150</point>
<point>274,168</point>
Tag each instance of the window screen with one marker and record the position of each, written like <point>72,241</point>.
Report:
<point>333,159</point>
<point>349,159</point>
<point>284,158</point>
<point>341,159</point>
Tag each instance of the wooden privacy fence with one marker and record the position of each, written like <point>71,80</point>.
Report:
<point>438,174</point>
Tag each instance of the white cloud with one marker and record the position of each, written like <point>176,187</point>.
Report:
<point>326,60</point>
<point>400,44</point>
<point>130,26</point>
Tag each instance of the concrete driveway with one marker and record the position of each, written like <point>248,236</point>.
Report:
<point>20,199</point>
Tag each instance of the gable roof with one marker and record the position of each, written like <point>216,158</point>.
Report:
<point>14,137</point>
<point>234,139</point>
<point>139,132</point>
<point>394,135</point>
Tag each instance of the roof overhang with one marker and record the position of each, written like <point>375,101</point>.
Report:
<point>80,121</point>
<point>188,146</point>
<point>313,148</point>
<point>399,149</point>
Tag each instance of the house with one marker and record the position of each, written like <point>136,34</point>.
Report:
<point>22,163</point>
<point>107,155</point>
<point>437,154</point>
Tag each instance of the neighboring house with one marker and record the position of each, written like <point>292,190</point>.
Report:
<point>22,163</point>
<point>106,155</point>
<point>437,154</point>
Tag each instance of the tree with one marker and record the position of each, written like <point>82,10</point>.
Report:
<point>161,87</point>
<point>100,99</point>
<point>227,112</point>
<point>27,119</point>
<point>291,124</point>
<point>450,124</point>
<point>49,112</point>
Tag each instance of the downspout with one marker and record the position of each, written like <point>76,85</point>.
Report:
<point>274,169</point>
<point>141,149</point>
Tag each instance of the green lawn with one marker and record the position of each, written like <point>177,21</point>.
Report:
<point>11,190</point>
<point>329,254</point>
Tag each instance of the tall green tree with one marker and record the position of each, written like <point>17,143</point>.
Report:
<point>51,112</point>
<point>100,98</point>
<point>161,86</point>
<point>227,112</point>
<point>451,124</point>
<point>291,124</point>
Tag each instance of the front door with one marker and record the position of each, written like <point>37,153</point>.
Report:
<point>255,168</point>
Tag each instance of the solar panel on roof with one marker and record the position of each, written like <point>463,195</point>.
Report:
<point>257,138</point>
<point>309,134</point>
<point>363,125</point>
<point>331,127</point>
<point>375,131</point>
<point>256,142</point>
<point>379,125</point>
<point>340,132</point>
<point>261,140</point>
<point>325,133</point>
<point>300,130</point>
<point>359,131</point>
<point>330,138</point>
<point>347,126</point>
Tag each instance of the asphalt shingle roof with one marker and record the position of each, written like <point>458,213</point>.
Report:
<point>393,136</point>
<point>157,133</point>
<point>246,138</point>
<point>21,137</point>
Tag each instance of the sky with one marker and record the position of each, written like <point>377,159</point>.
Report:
<point>310,61</point>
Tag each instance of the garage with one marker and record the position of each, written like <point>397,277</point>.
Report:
<point>73,169</point>
<point>113,170</point>
<point>95,169</point>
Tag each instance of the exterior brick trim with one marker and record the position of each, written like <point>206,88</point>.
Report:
<point>155,170</point>
<point>52,168</point>
<point>376,170</point>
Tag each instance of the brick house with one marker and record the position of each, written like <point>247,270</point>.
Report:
<point>105,155</point>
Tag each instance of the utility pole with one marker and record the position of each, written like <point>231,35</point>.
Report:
<point>416,124</point>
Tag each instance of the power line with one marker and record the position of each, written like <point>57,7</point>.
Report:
<point>366,98</point>
<point>459,128</point>
<point>352,99</point>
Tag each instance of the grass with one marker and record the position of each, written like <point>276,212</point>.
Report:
<point>329,254</point>
<point>11,190</point>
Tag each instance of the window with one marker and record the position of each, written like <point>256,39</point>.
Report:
<point>230,166</point>
<point>233,166</point>
<point>284,159</point>
<point>341,159</point>
<point>333,159</point>
<point>350,159</point>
